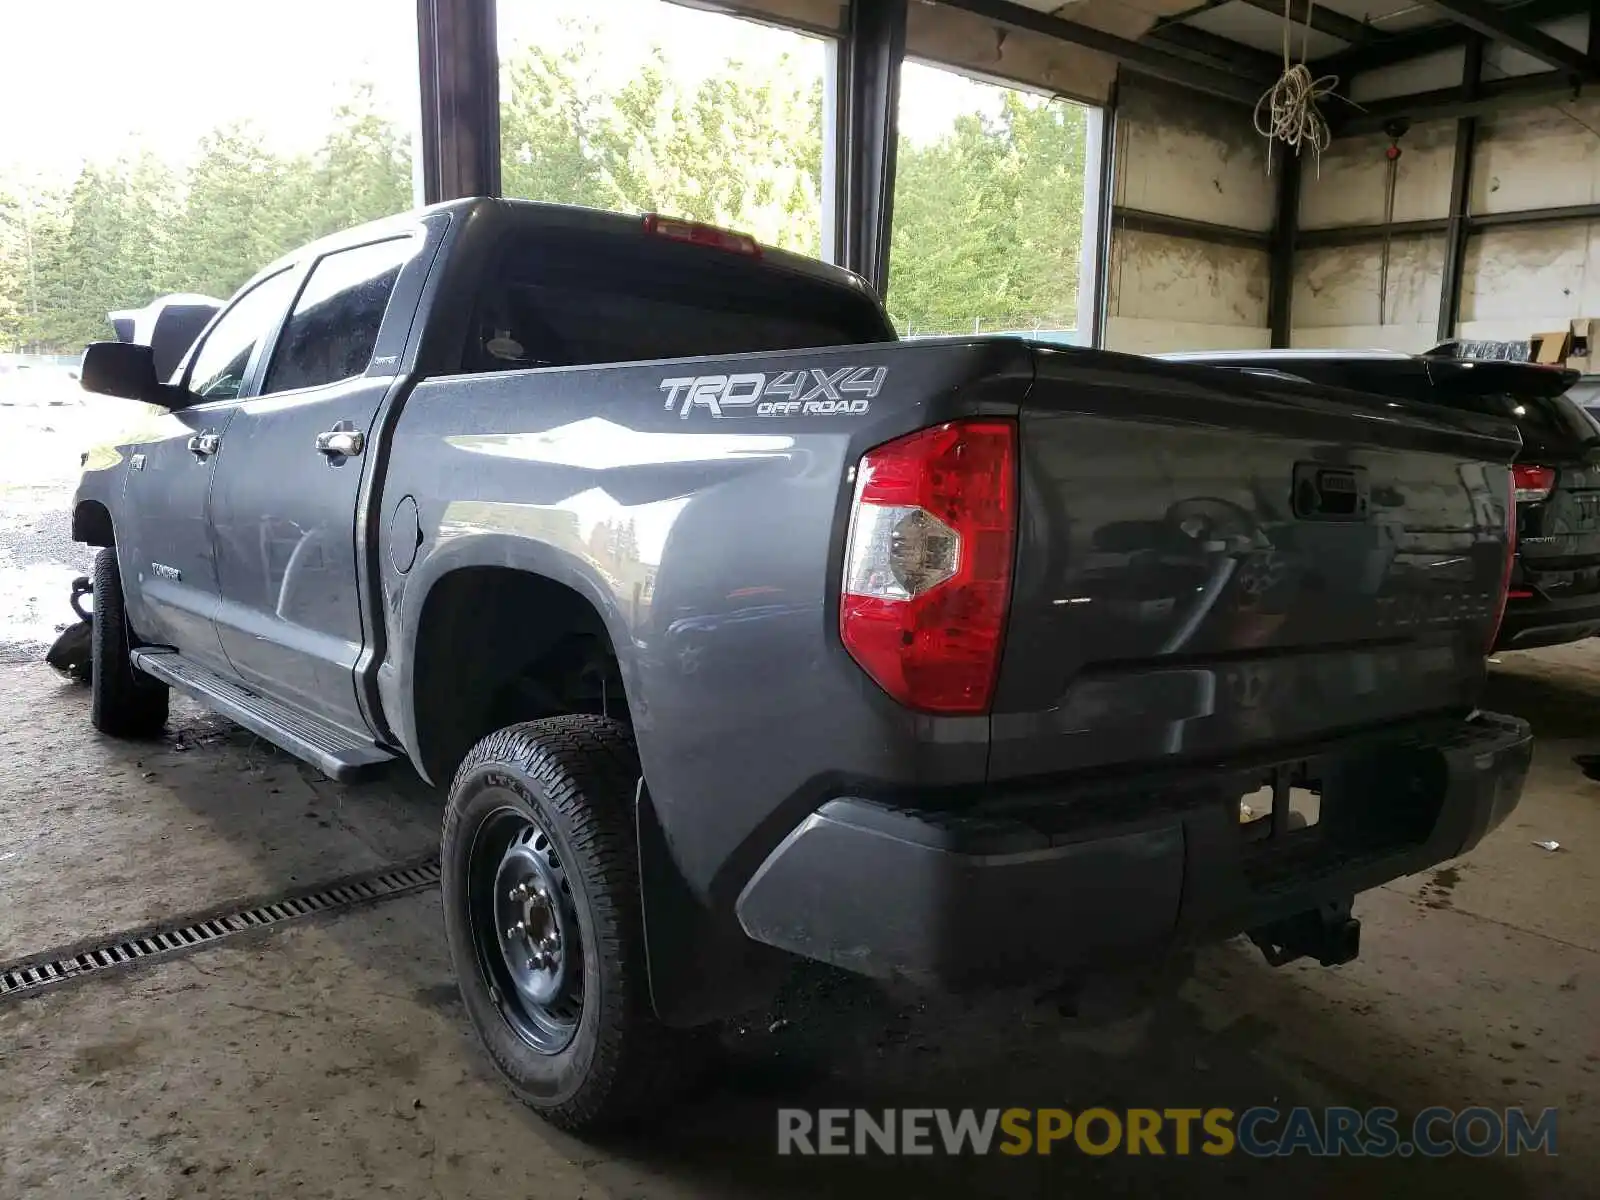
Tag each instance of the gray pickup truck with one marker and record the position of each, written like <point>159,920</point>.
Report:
<point>740,631</point>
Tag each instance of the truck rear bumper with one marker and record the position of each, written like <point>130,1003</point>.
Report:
<point>1128,870</point>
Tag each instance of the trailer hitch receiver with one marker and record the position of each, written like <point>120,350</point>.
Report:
<point>1327,933</point>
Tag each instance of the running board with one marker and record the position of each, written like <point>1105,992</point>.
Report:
<point>337,753</point>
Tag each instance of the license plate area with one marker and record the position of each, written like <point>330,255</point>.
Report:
<point>1313,816</point>
<point>1287,804</point>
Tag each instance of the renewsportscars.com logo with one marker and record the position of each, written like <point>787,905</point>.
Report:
<point>1259,1132</point>
<point>808,392</point>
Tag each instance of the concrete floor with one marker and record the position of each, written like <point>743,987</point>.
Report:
<point>332,1058</point>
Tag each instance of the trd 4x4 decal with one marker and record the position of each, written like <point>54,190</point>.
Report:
<point>812,391</point>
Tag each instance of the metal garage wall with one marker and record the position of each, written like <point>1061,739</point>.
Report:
<point>1526,280</point>
<point>1336,291</point>
<point>1181,155</point>
<point>1338,300</point>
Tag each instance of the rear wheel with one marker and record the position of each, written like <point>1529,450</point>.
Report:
<point>544,924</point>
<point>123,702</point>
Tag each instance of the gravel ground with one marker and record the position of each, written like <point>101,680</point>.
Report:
<point>39,449</point>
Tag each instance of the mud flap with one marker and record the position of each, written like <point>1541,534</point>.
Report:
<point>702,968</point>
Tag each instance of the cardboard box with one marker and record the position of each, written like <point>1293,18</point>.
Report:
<point>1549,348</point>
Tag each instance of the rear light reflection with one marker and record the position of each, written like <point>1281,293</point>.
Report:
<point>1532,483</point>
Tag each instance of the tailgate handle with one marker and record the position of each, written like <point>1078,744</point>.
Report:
<point>1323,493</point>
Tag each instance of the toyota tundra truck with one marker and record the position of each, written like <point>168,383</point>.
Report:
<point>741,632</point>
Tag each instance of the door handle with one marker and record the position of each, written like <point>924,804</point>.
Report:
<point>341,443</point>
<point>201,445</point>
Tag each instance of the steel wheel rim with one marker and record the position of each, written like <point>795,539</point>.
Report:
<point>525,929</point>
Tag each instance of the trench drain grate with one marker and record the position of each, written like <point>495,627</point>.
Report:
<point>37,972</point>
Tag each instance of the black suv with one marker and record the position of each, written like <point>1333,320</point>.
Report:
<point>1555,580</point>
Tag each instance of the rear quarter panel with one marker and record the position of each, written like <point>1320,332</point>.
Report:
<point>709,542</point>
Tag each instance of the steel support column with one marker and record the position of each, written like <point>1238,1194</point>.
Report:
<point>1455,246</point>
<point>1280,287</point>
<point>460,75</point>
<point>867,131</point>
<point>1104,202</point>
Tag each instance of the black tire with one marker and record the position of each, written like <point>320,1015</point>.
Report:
<point>574,779</point>
<point>123,702</point>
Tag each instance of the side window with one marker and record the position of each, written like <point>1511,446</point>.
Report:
<point>334,327</point>
<point>219,365</point>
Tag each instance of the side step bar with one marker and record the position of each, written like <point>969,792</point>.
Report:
<point>335,752</point>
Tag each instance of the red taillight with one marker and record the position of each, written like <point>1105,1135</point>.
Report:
<point>1532,484</point>
<point>1514,488</point>
<point>699,234</point>
<point>927,576</point>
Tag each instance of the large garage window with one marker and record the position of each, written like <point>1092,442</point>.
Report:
<point>646,106</point>
<point>181,146</point>
<point>992,185</point>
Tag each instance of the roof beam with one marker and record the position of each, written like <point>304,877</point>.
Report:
<point>1140,221</point>
<point>1370,234</point>
<point>1485,18</point>
<point>1496,95</point>
<point>1396,48</point>
<point>1323,20</point>
<point>1408,44</point>
<point>1142,57</point>
<point>1361,235</point>
<point>1212,50</point>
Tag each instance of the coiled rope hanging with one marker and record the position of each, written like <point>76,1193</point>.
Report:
<point>1287,111</point>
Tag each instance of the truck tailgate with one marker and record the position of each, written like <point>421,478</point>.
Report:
<point>1212,563</point>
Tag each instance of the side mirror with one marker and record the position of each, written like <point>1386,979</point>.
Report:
<point>126,370</point>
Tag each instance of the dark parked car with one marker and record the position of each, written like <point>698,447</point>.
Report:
<point>1586,392</point>
<point>741,632</point>
<point>1555,580</point>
